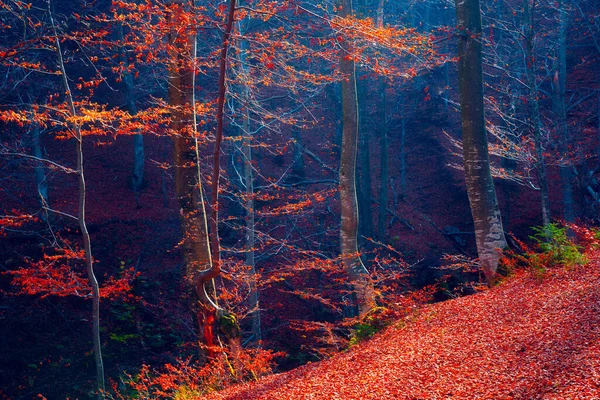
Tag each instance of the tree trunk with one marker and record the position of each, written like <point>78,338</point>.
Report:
<point>383,159</point>
<point>298,167</point>
<point>214,212</point>
<point>535,114</point>
<point>489,233</point>
<point>188,181</point>
<point>137,177</point>
<point>383,144</point>
<point>249,185</point>
<point>364,201</point>
<point>39,170</point>
<point>561,114</point>
<point>354,267</point>
<point>81,218</point>
<point>402,151</point>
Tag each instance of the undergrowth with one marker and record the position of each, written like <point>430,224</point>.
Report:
<point>553,245</point>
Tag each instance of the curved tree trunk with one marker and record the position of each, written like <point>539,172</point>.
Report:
<point>354,267</point>
<point>489,233</point>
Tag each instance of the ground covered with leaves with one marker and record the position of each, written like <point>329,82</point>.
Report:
<point>535,336</point>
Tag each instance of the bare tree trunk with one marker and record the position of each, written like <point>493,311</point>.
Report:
<point>298,168</point>
<point>489,233</point>
<point>214,217</point>
<point>137,178</point>
<point>383,143</point>
<point>81,218</point>
<point>402,151</point>
<point>364,203</point>
<point>188,180</point>
<point>383,159</point>
<point>355,269</point>
<point>535,113</point>
<point>249,184</point>
<point>39,170</point>
<point>561,114</point>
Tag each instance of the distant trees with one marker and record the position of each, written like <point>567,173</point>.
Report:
<point>489,233</point>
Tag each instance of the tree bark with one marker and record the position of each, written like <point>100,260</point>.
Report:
<point>358,274</point>
<point>214,213</point>
<point>489,233</point>
<point>81,218</point>
<point>188,180</point>
<point>39,171</point>
<point>249,186</point>
<point>383,159</point>
<point>561,114</point>
<point>535,113</point>
<point>364,201</point>
<point>137,177</point>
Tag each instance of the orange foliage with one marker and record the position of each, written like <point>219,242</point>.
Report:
<point>526,339</point>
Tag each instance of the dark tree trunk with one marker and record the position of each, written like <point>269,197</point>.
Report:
<point>137,177</point>
<point>535,113</point>
<point>489,233</point>
<point>561,115</point>
<point>354,267</point>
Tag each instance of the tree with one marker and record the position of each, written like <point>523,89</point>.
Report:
<point>530,59</point>
<point>355,269</point>
<point>489,233</point>
<point>75,129</point>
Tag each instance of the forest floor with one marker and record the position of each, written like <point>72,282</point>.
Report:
<point>535,336</point>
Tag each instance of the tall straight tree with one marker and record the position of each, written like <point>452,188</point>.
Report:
<point>489,233</point>
<point>188,180</point>
<point>560,110</point>
<point>353,265</point>
<point>536,123</point>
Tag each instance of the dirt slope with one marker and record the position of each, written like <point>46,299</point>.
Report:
<point>530,338</point>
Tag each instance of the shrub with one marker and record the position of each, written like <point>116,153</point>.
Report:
<point>553,247</point>
<point>556,248</point>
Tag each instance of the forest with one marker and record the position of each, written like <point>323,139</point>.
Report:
<point>198,194</point>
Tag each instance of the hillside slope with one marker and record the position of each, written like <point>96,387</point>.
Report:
<point>530,338</point>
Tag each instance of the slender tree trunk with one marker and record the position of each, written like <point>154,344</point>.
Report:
<point>355,269</point>
<point>561,114</point>
<point>81,218</point>
<point>298,168</point>
<point>489,233</point>
<point>39,171</point>
<point>214,214</point>
<point>188,181</point>
<point>535,113</point>
<point>249,184</point>
<point>137,178</point>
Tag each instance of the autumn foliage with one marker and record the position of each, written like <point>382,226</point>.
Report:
<point>527,338</point>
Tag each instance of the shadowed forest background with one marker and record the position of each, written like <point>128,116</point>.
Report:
<point>177,182</point>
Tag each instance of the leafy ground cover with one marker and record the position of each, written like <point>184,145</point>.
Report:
<point>532,337</point>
